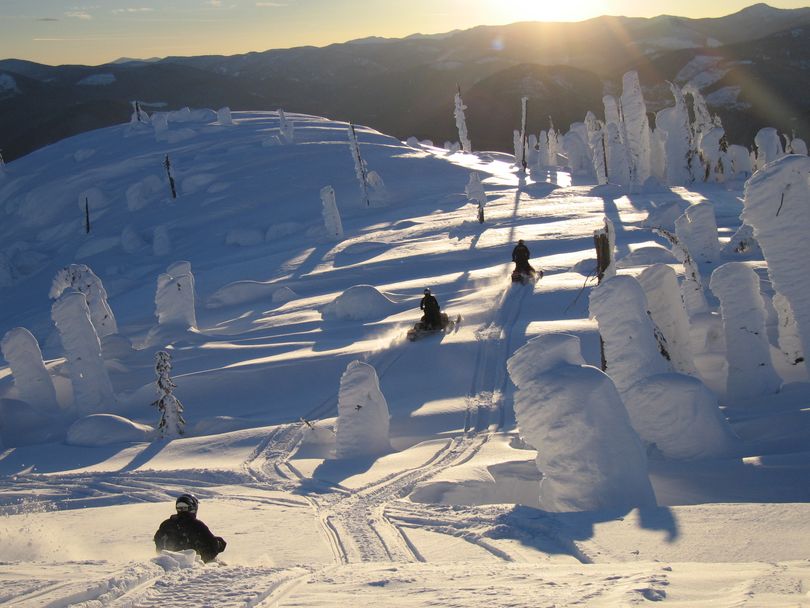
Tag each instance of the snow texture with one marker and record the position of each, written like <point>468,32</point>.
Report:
<point>588,453</point>
<point>175,299</point>
<point>363,418</point>
<point>92,390</point>
<point>331,215</point>
<point>141,193</point>
<point>21,350</point>
<point>81,278</point>
<point>777,205</point>
<point>244,237</point>
<point>697,231</point>
<point>750,369</point>
<point>240,292</point>
<point>98,430</point>
<point>789,340</point>
<point>131,240</point>
<point>461,124</point>
<point>360,303</point>
<point>666,308</point>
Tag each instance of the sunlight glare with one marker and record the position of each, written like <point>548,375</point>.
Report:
<point>541,10</point>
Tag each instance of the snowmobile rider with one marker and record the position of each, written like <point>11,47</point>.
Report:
<point>184,531</point>
<point>432,318</point>
<point>520,256</point>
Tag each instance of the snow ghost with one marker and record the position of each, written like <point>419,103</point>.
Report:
<point>750,369</point>
<point>363,419</point>
<point>777,206</point>
<point>174,299</point>
<point>673,412</point>
<point>331,215</point>
<point>84,280</point>
<point>224,117</point>
<point>697,231</point>
<point>92,390</point>
<point>21,350</point>
<point>594,460</point>
<point>461,124</point>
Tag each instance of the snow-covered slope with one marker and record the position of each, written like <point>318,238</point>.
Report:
<point>259,376</point>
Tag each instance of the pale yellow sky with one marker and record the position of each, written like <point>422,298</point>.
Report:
<point>60,31</point>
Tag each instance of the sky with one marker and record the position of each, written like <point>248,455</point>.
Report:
<point>58,32</point>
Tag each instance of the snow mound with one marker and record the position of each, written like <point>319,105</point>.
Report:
<point>105,429</point>
<point>241,292</point>
<point>284,294</point>
<point>359,303</point>
<point>180,560</point>
<point>244,237</point>
<point>97,80</point>
<point>664,215</point>
<point>680,416</point>
<point>644,256</point>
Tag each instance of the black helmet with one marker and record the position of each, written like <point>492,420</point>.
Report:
<point>520,241</point>
<point>187,503</point>
<point>427,291</point>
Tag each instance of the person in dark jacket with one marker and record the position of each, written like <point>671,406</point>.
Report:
<point>184,531</point>
<point>520,256</point>
<point>432,318</point>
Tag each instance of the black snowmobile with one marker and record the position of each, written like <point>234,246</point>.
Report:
<point>526,276</point>
<point>433,321</point>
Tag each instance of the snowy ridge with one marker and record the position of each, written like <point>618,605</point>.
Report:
<point>291,305</point>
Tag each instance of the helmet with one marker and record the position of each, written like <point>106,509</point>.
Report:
<point>427,292</point>
<point>186,503</point>
<point>520,241</point>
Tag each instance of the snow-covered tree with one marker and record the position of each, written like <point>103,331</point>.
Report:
<point>636,126</point>
<point>798,146</point>
<point>461,124</point>
<point>92,390</point>
<point>593,460</point>
<point>777,206</point>
<point>331,215</point>
<point>138,114</point>
<point>84,280</point>
<point>174,299</point>
<point>161,242</point>
<point>21,349</point>
<point>672,125</point>
<point>542,151</point>
<point>578,153</point>
<point>697,230</point>
<point>224,116</point>
<point>360,169</point>
<point>171,423</point>
<point>769,146</point>
<point>618,171</point>
<point>713,148</point>
<point>596,142</point>
<point>476,194</point>
<point>520,147</point>
<point>692,287</point>
<point>660,284</point>
<point>674,412</point>
<point>286,129</point>
<point>740,158</point>
<point>167,164</point>
<point>750,369</point>
<point>363,418</point>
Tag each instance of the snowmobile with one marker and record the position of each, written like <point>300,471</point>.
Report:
<point>526,276</point>
<point>419,330</point>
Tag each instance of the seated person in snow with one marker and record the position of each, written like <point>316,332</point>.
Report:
<point>520,256</point>
<point>184,531</point>
<point>432,318</point>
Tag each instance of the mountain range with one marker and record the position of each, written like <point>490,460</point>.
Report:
<point>752,66</point>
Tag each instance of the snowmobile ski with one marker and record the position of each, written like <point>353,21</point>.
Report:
<point>419,330</point>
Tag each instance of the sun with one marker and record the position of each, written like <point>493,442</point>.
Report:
<point>509,11</point>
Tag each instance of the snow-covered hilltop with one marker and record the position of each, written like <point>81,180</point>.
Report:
<point>253,276</point>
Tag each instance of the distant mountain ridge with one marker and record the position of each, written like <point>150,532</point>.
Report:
<point>753,66</point>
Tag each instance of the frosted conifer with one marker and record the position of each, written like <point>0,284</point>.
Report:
<point>171,410</point>
<point>461,124</point>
